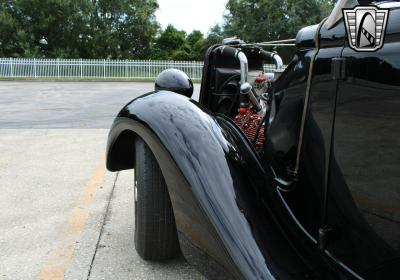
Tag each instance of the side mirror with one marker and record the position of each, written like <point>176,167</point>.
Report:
<point>176,81</point>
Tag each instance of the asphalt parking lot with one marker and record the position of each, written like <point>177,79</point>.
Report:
<point>62,215</point>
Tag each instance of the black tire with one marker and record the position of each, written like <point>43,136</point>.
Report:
<point>155,230</point>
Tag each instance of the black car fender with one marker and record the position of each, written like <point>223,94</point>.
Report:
<point>205,170</point>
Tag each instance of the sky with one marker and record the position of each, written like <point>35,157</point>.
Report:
<point>191,14</point>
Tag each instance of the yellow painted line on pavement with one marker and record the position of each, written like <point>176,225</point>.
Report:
<point>60,258</point>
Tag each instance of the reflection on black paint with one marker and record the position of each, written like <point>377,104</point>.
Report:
<point>367,149</point>
<point>365,198</point>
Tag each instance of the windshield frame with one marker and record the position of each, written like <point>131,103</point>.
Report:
<point>337,12</point>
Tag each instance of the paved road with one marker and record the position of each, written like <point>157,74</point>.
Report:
<point>66,104</point>
<point>62,215</point>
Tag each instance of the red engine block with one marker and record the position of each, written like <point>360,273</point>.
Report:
<point>249,123</point>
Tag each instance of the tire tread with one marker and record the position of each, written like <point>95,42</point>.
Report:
<point>155,229</point>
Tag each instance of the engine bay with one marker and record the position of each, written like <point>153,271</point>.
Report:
<point>239,88</point>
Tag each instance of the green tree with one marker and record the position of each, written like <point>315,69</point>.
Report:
<point>168,42</point>
<point>215,36</point>
<point>70,28</point>
<point>195,40</point>
<point>122,29</point>
<point>41,28</point>
<point>175,44</point>
<point>266,20</point>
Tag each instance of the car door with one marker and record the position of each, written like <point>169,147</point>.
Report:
<point>363,205</point>
<point>306,199</point>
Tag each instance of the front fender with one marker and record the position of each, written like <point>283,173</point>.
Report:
<point>211,172</point>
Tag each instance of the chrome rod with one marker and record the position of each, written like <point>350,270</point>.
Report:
<point>247,89</point>
<point>244,67</point>
<point>274,45</point>
<point>278,41</point>
<point>278,61</point>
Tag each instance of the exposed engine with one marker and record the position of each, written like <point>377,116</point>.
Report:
<point>251,121</point>
<point>252,102</point>
<point>253,126</point>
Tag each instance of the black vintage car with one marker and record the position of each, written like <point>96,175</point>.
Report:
<point>292,175</point>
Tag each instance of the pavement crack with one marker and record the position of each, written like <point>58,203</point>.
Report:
<point>102,226</point>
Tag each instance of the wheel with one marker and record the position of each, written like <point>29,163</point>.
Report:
<point>155,229</point>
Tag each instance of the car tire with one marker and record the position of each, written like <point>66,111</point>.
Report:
<point>155,230</point>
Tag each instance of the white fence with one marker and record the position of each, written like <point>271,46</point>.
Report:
<point>95,68</point>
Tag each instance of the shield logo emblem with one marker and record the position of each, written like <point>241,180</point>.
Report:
<point>366,27</point>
